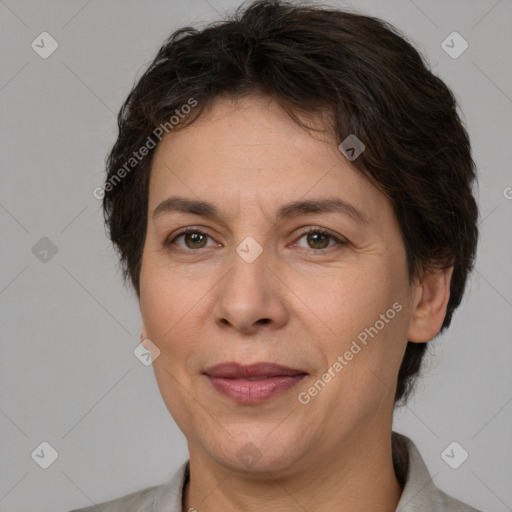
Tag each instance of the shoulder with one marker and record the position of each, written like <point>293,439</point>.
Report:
<point>166,497</point>
<point>419,491</point>
<point>140,501</point>
<point>450,504</point>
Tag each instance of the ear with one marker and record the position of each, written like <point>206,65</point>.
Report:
<point>431,296</point>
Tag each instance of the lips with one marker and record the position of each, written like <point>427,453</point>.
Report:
<point>234,370</point>
<point>252,383</point>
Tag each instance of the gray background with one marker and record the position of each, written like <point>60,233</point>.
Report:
<point>68,374</point>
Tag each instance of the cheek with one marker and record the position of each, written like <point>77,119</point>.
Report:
<point>167,312</point>
<point>365,365</point>
<point>368,316</point>
<point>359,301</point>
<point>167,309</point>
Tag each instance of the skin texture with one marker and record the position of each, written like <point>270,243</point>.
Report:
<point>301,303</point>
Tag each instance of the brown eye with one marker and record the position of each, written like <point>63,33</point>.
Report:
<point>318,239</point>
<point>192,240</point>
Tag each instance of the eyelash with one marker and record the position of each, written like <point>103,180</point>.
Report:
<point>169,242</point>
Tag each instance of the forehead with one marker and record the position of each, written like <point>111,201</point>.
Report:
<point>252,147</point>
<point>253,126</point>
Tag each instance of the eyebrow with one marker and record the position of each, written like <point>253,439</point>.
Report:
<point>296,208</point>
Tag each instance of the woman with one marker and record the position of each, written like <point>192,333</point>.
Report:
<point>290,196</point>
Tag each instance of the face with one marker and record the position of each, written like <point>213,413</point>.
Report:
<point>320,288</point>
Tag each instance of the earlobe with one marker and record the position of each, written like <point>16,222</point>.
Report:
<point>429,309</point>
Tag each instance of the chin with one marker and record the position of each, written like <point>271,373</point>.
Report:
<point>258,453</point>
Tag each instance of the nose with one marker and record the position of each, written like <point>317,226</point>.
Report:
<point>251,298</point>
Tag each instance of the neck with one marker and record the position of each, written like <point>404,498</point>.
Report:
<point>357,477</point>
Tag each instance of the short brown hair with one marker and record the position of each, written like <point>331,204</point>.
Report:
<point>359,68</point>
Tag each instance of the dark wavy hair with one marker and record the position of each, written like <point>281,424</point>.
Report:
<point>310,58</point>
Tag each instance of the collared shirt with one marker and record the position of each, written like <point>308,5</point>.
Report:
<point>419,492</point>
